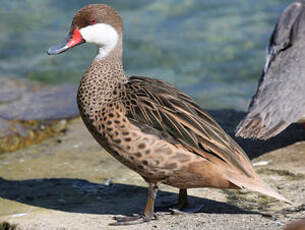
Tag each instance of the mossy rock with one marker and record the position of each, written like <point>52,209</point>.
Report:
<point>7,226</point>
<point>25,133</point>
<point>248,200</point>
<point>31,112</point>
<point>285,173</point>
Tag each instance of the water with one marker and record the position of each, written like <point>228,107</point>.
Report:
<point>212,49</point>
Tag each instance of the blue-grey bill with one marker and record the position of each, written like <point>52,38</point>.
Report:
<point>57,49</point>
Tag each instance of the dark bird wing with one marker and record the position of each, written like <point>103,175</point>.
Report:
<point>280,97</point>
<point>162,106</point>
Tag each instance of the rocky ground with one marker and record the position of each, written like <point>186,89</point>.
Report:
<point>67,181</point>
<point>30,112</point>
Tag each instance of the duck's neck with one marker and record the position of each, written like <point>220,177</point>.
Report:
<point>103,82</point>
<point>110,51</point>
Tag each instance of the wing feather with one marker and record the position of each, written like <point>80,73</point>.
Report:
<point>165,108</point>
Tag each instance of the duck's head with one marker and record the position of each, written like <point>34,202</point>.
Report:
<point>98,24</point>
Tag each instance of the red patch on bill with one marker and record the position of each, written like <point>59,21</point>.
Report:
<point>76,39</point>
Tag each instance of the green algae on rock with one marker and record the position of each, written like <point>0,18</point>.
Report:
<point>248,200</point>
<point>31,112</point>
<point>21,134</point>
<point>7,226</point>
<point>284,173</point>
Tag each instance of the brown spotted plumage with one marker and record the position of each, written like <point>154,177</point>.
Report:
<point>154,128</point>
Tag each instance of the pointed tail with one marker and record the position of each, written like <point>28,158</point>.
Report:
<point>257,185</point>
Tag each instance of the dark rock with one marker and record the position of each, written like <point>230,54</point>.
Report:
<point>4,128</point>
<point>52,103</point>
<point>30,112</point>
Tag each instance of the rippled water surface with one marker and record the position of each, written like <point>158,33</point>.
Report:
<point>212,49</point>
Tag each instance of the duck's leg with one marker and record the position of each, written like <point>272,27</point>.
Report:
<point>183,203</point>
<point>182,199</point>
<point>177,207</point>
<point>148,210</point>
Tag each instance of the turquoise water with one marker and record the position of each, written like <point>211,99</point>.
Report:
<point>212,49</point>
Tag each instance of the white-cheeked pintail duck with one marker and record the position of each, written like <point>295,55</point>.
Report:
<point>149,125</point>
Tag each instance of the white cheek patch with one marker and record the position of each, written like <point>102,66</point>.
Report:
<point>102,35</point>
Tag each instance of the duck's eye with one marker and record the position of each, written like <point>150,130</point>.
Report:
<point>93,21</point>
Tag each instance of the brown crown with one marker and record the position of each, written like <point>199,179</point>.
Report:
<point>97,13</point>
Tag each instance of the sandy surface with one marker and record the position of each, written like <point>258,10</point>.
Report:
<point>69,182</point>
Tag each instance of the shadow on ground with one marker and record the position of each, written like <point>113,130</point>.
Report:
<point>81,196</point>
<point>229,119</point>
